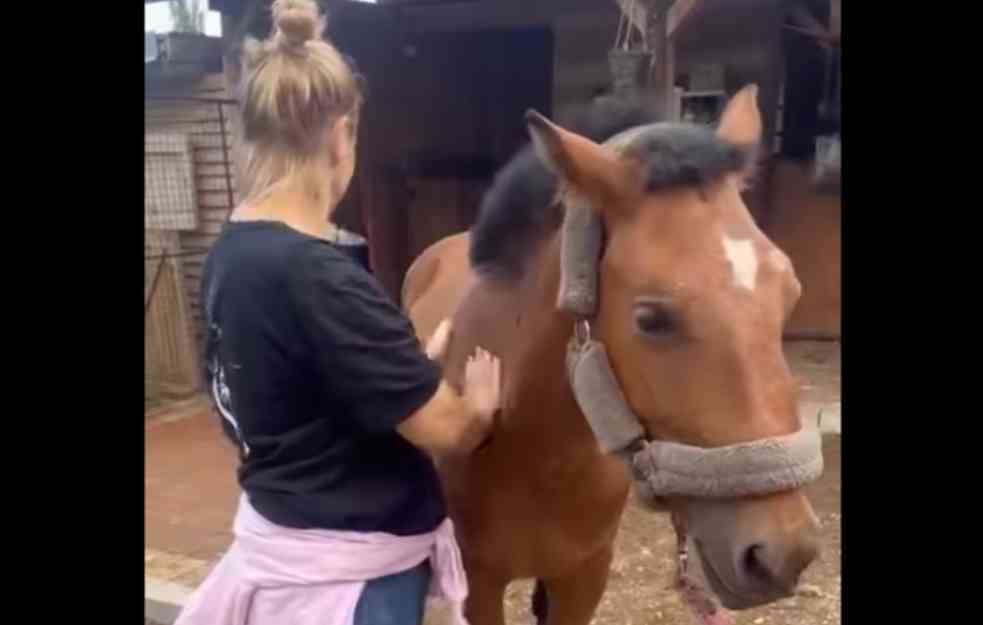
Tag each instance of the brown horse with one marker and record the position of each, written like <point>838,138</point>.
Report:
<point>692,302</point>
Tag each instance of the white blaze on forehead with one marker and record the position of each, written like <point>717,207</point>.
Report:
<point>743,261</point>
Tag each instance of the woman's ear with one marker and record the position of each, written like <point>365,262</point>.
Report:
<point>340,140</point>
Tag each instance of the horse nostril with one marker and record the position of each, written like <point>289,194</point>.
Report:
<point>754,569</point>
<point>775,568</point>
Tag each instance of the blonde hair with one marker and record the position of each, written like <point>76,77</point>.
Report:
<point>295,85</point>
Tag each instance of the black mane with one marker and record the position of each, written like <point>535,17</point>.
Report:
<point>518,210</point>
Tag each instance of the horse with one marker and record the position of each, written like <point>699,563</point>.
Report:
<point>691,300</point>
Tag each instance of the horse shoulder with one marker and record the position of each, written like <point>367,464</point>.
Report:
<point>429,285</point>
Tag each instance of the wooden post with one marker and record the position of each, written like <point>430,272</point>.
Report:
<point>770,85</point>
<point>667,73</point>
<point>384,201</point>
<point>186,328</point>
<point>664,75</point>
<point>766,69</point>
<point>230,53</point>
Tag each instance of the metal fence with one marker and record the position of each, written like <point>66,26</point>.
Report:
<point>189,192</point>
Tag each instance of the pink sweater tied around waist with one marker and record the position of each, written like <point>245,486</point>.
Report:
<point>272,574</point>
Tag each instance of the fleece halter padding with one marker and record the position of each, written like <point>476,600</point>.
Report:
<point>580,249</point>
<point>761,467</point>
<point>600,398</point>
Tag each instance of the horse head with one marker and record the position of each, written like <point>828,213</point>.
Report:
<point>691,300</point>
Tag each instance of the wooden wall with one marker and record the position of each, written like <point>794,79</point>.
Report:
<point>801,221</point>
<point>444,111</point>
<point>582,42</point>
<point>807,226</point>
<point>171,360</point>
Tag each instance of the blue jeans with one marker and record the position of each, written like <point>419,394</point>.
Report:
<point>396,599</point>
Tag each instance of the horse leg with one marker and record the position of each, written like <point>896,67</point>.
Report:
<point>486,598</point>
<point>573,599</point>
<point>540,603</point>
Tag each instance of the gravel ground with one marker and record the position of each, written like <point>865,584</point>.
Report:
<point>638,592</point>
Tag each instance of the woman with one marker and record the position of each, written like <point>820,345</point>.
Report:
<point>319,378</point>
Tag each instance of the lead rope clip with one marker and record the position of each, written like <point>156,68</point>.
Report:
<point>581,330</point>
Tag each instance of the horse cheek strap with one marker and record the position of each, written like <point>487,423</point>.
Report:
<point>600,397</point>
<point>580,250</point>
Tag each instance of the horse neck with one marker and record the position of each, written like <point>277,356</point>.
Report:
<point>538,395</point>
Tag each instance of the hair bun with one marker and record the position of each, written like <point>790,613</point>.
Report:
<point>297,21</point>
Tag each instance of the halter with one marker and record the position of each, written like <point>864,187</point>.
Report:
<point>659,468</point>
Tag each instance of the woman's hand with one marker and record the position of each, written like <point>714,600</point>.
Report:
<point>483,384</point>
<point>457,424</point>
<point>437,345</point>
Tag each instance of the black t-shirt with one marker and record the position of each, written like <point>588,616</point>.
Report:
<point>311,367</point>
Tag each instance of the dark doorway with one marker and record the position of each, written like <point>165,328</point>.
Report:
<point>444,111</point>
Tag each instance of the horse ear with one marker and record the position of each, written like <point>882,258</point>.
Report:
<point>590,168</point>
<point>740,123</point>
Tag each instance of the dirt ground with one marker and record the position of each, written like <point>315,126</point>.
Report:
<point>638,592</point>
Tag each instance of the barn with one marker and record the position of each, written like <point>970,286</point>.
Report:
<point>448,82</point>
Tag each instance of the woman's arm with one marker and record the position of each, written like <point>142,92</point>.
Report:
<point>446,424</point>
<point>450,423</point>
<point>370,359</point>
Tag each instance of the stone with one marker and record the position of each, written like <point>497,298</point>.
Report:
<point>809,590</point>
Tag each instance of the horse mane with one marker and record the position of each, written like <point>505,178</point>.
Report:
<point>519,209</point>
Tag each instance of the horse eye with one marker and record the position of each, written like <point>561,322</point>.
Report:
<point>655,320</point>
